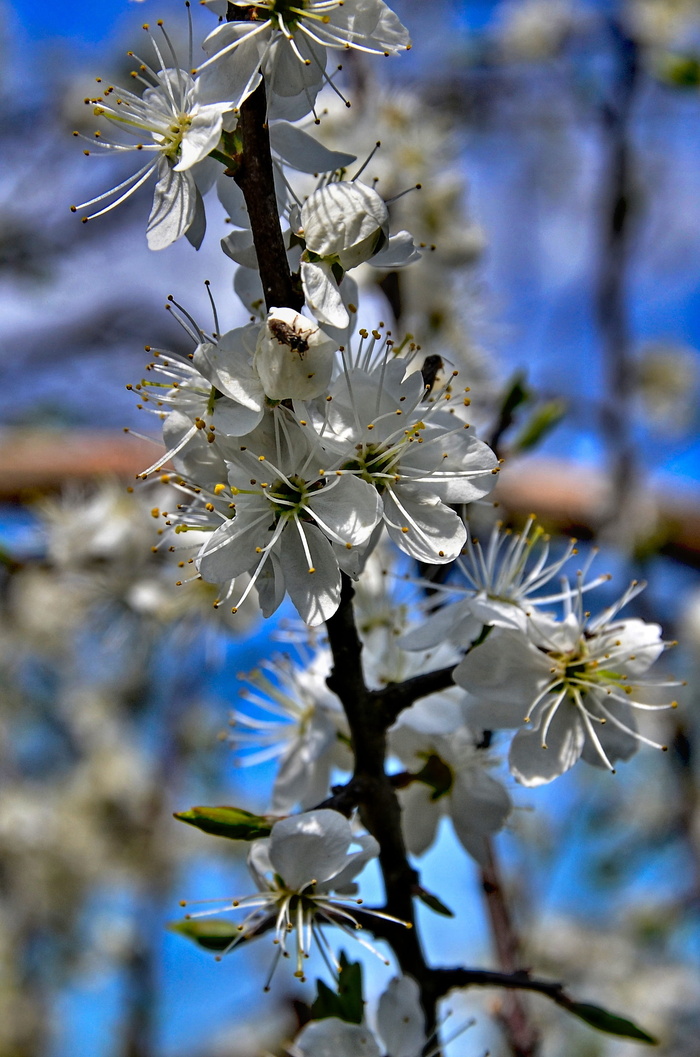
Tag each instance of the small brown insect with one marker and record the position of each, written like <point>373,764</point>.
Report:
<point>432,365</point>
<point>287,335</point>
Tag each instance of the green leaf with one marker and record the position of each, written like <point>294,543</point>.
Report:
<point>682,71</point>
<point>346,1003</point>
<point>214,934</point>
<point>542,422</point>
<point>516,394</point>
<point>231,822</point>
<point>609,1022</point>
<point>433,902</point>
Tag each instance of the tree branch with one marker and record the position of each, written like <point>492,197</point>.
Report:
<point>523,1039</point>
<point>379,806</point>
<point>255,177</point>
<point>395,697</point>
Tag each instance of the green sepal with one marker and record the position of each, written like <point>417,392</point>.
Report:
<point>213,934</point>
<point>346,1003</point>
<point>542,422</point>
<point>437,775</point>
<point>432,901</point>
<point>231,822</point>
<point>609,1022</point>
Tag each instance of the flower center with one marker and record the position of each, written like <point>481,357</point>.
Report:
<point>282,13</point>
<point>172,137</point>
<point>579,672</point>
<point>373,464</point>
<point>289,497</point>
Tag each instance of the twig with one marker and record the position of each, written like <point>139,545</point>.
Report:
<point>522,1037</point>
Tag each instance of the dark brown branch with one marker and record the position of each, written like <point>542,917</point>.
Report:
<point>394,698</point>
<point>379,807</point>
<point>452,979</point>
<point>255,178</point>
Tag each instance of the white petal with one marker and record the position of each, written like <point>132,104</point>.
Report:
<point>197,229</point>
<point>322,294</point>
<point>400,1019</point>
<point>301,151</point>
<point>174,203</point>
<point>435,533</point>
<point>310,847</point>
<point>231,198</point>
<point>270,586</point>
<point>339,216</point>
<point>419,817</point>
<point>293,357</point>
<point>236,76</point>
<point>355,862</point>
<point>316,595</point>
<point>505,669</point>
<point>226,364</point>
<point>334,1038</point>
<point>231,549</point>
<point>479,806</point>
<point>305,767</point>
<point>453,622</point>
<point>293,85</point>
<point>201,137</point>
<point>239,247</point>
<point>350,507</point>
<point>399,251</point>
<point>371,22</point>
<point>532,765</point>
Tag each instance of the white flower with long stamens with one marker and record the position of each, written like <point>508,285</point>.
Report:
<point>305,859</point>
<point>215,389</point>
<point>344,224</point>
<point>177,123</point>
<point>296,718</point>
<point>576,684</point>
<point>451,777</point>
<point>287,41</point>
<point>417,455</point>
<point>504,583</point>
<point>296,517</point>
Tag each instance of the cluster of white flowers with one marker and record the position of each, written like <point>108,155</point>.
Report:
<point>294,454</point>
<point>304,445</point>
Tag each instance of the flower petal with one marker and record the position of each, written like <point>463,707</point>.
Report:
<point>310,847</point>
<point>533,765</point>
<point>174,203</point>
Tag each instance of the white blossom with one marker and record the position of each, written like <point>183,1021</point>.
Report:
<point>575,683</point>
<point>294,517</point>
<point>390,432</point>
<point>286,43</point>
<point>344,224</point>
<point>177,124</point>
<point>296,718</point>
<point>293,356</point>
<point>452,778</point>
<point>504,583</point>
<point>296,869</point>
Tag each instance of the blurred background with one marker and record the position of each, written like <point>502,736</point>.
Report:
<point>557,143</point>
